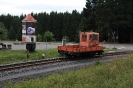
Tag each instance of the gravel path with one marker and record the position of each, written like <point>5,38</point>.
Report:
<point>39,45</point>
<point>44,45</point>
<point>120,47</point>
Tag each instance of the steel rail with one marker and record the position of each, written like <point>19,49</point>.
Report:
<point>14,66</point>
<point>117,53</point>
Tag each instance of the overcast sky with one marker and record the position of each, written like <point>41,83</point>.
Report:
<point>18,7</point>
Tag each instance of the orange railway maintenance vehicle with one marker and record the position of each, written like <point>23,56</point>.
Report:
<point>88,46</point>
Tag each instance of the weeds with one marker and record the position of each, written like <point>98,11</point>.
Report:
<point>97,62</point>
<point>115,74</point>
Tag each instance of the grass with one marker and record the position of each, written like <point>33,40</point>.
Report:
<point>106,50</point>
<point>115,74</point>
<point>12,56</point>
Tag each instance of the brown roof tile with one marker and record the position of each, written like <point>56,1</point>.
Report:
<point>29,18</point>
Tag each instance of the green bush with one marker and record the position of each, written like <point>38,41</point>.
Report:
<point>39,38</point>
<point>48,36</point>
<point>67,38</point>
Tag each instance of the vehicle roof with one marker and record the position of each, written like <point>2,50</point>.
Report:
<point>89,33</point>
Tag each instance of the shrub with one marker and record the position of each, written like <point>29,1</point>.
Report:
<point>67,38</point>
<point>97,62</point>
<point>39,37</point>
<point>48,36</point>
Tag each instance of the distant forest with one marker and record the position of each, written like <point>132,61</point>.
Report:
<point>113,19</point>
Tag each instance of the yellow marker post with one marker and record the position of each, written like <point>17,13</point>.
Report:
<point>43,56</point>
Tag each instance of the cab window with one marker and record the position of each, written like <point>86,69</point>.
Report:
<point>94,37</point>
<point>84,37</point>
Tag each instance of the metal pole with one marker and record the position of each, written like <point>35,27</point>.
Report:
<point>114,42</point>
<point>113,37</point>
<point>46,48</point>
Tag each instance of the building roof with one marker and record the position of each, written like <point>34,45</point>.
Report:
<point>29,18</point>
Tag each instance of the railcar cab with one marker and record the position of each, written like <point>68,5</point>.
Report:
<point>89,39</point>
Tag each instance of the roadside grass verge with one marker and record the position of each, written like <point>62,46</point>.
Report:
<point>115,74</point>
<point>12,56</point>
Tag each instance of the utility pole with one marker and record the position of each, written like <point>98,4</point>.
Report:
<point>113,37</point>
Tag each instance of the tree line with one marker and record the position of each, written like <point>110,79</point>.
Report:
<point>113,19</point>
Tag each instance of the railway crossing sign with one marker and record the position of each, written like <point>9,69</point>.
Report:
<point>113,35</point>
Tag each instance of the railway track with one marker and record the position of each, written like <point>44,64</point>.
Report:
<point>14,66</point>
<point>8,67</point>
<point>117,53</point>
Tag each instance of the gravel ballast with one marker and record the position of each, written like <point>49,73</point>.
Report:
<point>16,76</point>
